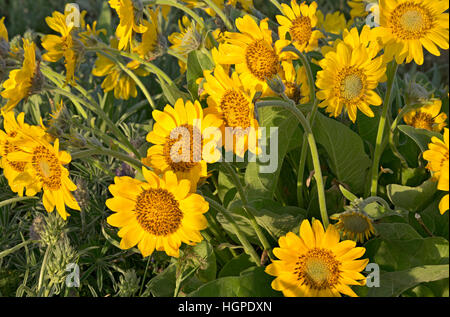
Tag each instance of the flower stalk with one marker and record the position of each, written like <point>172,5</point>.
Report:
<point>381,129</point>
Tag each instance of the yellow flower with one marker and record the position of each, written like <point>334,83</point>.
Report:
<point>252,51</point>
<point>129,19</point>
<point>202,5</point>
<point>61,46</point>
<point>437,156</point>
<point>354,224</point>
<point>43,170</point>
<point>3,30</point>
<point>230,101</point>
<point>158,214</point>
<point>247,5</point>
<point>8,140</point>
<point>350,74</point>
<point>20,82</point>
<point>299,21</point>
<point>149,48</point>
<point>427,117</point>
<point>89,35</point>
<point>116,79</point>
<point>295,82</point>
<point>187,40</point>
<point>181,135</point>
<point>316,264</point>
<point>407,26</point>
<point>358,9</point>
<point>334,23</point>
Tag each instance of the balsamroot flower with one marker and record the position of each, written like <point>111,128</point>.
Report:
<point>157,214</point>
<point>437,156</point>
<point>316,263</point>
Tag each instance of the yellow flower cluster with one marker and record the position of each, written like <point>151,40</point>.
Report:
<point>159,209</point>
<point>31,163</point>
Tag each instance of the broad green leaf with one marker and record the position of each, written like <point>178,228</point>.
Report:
<point>206,259</point>
<point>264,184</point>
<point>236,265</point>
<point>421,136</point>
<point>395,283</point>
<point>396,255</point>
<point>163,284</point>
<point>251,283</point>
<point>377,211</point>
<point>438,288</point>
<point>345,149</point>
<point>396,231</point>
<point>433,220</point>
<point>411,198</point>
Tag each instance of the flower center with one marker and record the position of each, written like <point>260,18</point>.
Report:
<point>9,148</point>
<point>422,120</point>
<point>351,84</point>
<point>236,109</point>
<point>301,30</point>
<point>158,212</point>
<point>262,61</point>
<point>183,148</point>
<point>410,21</point>
<point>47,167</point>
<point>318,268</point>
<point>355,222</point>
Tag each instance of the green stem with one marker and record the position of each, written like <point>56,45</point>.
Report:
<point>220,13</point>
<point>43,266</point>
<point>309,74</point>
<point>240,235</point>
<point>247,209</point>
<point>138,82</point>
<point>303,155</point>
<point>145,274</point>
<point>313,148</point>
<point>380,133</point>
<point>14,200</point>
<point>392,133</point>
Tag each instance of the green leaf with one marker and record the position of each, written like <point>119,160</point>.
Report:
<point>172,93</point>
<point>421,136</point>
<point>411,198</point>
<point>197,62</point>
<point>345,150</point>
<point>347,194</point>
<point>395,283</point>
<point>396,255</point>
<point>251,283</point>
<point>435,222</point>
<point>163,284</point>
<point>236,265</point>
<point>244,225</point>
<point>396,231</point>
<point>264,184</point>
<point>206,260</point>
<point>104,19</point>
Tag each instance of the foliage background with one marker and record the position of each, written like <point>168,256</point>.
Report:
<point>402,243</point>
